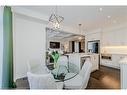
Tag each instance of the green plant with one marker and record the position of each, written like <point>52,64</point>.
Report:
<point>55,56</point>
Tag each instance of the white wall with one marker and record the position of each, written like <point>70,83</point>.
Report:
<point>29,38</point>
<point>1,43</point>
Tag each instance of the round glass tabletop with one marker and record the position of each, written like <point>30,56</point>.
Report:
<point>63,73</point>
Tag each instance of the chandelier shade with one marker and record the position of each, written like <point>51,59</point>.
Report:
<point>55,20</point>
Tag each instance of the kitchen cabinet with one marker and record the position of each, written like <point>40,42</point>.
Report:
<point>95,62</point>
<point>123,75</point>
<point>115,37</point>
<point>79,58</point>
<point>113,62</point>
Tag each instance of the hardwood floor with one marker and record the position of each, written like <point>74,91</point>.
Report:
<point>104,78</point>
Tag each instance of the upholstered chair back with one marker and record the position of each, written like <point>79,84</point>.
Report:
<point>85,72</point>
<point>41,81</point>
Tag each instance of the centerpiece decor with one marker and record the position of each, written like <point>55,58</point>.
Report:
<point>55,55</point>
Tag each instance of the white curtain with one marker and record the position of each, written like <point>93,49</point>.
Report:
<point>1,43</point>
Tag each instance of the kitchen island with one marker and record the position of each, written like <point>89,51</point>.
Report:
<point>79,58</point>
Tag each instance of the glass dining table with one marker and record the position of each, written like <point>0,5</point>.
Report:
<point>63,73</point>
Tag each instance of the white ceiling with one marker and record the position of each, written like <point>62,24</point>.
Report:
<point>90,17</point>
<point>61,35</point>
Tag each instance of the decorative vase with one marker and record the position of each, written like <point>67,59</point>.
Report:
<point>55,64</point>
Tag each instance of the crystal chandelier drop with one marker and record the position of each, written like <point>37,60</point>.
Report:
<point>55,20</point>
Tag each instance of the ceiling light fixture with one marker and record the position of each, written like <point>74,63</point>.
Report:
<point>100,9</point>
<point>108,16</point>
<point>55,20</point>
<point>80,28</point>
<point>80,38</point>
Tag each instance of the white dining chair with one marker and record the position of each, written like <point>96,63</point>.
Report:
<point>43,81</point>
<point>36,66</point>
<point>80,81</point>
<point>63,60</point>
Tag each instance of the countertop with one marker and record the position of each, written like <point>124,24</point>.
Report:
<point>82,54</point>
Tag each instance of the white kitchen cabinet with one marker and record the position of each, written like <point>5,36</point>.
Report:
<point>123,36</point>
<point>109,39</point>
<point>95,62</point>
<point>115,37</point>
<point>123,75</point>
<point>79,58</point>
<point>107,63</point>
<point>114,62</point>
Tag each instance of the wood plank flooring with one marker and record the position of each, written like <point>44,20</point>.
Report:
<point>104,78</point>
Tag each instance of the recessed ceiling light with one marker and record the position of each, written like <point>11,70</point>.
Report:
<point>109,16</point>
<point>100,9</point>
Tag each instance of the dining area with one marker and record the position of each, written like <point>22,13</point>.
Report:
<point>60,75</point>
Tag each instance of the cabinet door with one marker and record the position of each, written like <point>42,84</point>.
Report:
<point>107,39</point>
<point>95,62</point>
<point>119,37</point>
<point>123,76</point>
<point>96,59</point>
<point>115,38</point>
<point>123,36</point>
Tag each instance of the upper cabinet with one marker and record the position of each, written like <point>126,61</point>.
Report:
<point>124,37</point>
<point>117,37</point>
<point>109,37</point>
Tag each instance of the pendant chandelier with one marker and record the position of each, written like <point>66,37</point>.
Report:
<point>55,20</point>
<point>80,38</point>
